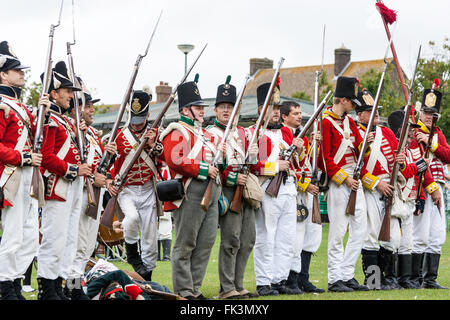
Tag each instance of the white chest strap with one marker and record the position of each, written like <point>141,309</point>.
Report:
<point>64,148</point>
<point>346,142</point>
<point>376,155</point>
<point>276,137</point>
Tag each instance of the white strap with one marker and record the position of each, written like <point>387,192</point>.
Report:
<point>346,142</point>
<point>276,137</point>
<point>61,153</point>
<point>134,143</point>
<point>376,155</point>
<point>232,145</point>
<point>8,170</point>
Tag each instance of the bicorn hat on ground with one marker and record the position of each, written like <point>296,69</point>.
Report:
<point>263,90</point>
<point>189,95</point>
<point>139,106</point>
<point>366,101</point>
<point>431,101</point>
<point>226,93</point>
<point>8,60</point>
<point>347,87</point>
<point>59,78</point>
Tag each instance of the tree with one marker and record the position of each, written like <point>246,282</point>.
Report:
<point>324,87</point>
<point>391,98</point>
<point>302,95</point>
<point>31,92</point>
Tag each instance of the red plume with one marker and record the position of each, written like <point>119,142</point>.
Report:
<point>390,16</point>
<point>278,82</point>
<point>436,83</point>
<point>358,82</point>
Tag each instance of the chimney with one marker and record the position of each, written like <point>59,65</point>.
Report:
<point>258,63</point>
<point>341,59</point>
<point>163,92</point>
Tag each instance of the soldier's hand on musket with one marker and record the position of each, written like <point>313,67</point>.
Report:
<point>212,172</point>
<point>422,137</point>
<point>283,165</point>
<point>437,198</point>
<point>352,183</point>
<point>84,169</point>
<point>427,160</point>
<point>241,179</point>
<point>298,143</point>
<point>112,189</point>
<point>83,126</point>
<point>313,189</point>
<point>400,158</point>
<point>318,137</point>
<point>99,180</point>
<point>111,148</point>
<point>223,148</point>
<point>36,159</point>
<point>371,137</point>
<point>151,136</point>
<point>385,188</point>
<point>45,101</point>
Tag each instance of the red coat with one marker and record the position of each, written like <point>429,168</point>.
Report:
<point>178,142</point>
<point>11,127</point>
<point>59,129</point>
<point>441,151</point>
<point>140,172</point>
<point>331,140</point>
<point>97,145</point>
<point>265,145</point>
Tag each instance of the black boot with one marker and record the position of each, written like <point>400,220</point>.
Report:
<point>369,258</point>
<point>292,282</point>
<point>405,271</point>
<point>77,292</point>
<point>387,268</point>
<point>266,291</point>
<point>159,250</point>
<point>46,289</point>
<point>7,290</point>
<point>134,258</point>
<point>166,245</point>
<point>416,270</point>
<point>303,277</point>
<point>282,288</point>
<point>18,288</point>
<point>59,289</point>
<point>430,271</point>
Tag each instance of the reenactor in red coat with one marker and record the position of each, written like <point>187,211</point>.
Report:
<point>64,177</point>
<point>20,238</point>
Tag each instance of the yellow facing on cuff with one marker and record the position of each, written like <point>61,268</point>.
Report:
<point>270,169</point>
<point>432,187</point>
<point>340,176</point>
<point>303,186</point>
<point>369,180</point>
<point>434,146</point>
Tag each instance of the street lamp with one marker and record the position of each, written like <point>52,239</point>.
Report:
<point>185,48</point>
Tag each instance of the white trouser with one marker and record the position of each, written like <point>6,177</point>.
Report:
<point>59,228</point>
<point>20,239</point>
<point>375,215</point>
<point>308,234</point>
<point>87,233</point>
<point>165,227</point>
<point>341,263</point>
<point>138,204</point>
<point>275,234</point>
<point>429,227</point>
<point>406,241</point>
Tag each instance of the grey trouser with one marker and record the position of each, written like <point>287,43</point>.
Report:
<point>237,238</point>
<point>195,233</point>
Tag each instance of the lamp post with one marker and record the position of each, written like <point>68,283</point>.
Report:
<point>185,48</point>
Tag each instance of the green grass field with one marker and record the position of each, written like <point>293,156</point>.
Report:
<point>318,275</point>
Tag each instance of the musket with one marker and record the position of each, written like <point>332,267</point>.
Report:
<point>384,234</point>
<point>236,202</point>
<point>388,16</point>
<point>81,137</point>
<point>108,213</point>
<point>315,216</point>
<point>106,158</point>
<point>274,185</point>
<point>350,210</point>
<point>207,196</point>
<point>36,191</point>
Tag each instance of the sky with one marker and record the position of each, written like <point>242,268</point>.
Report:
<point>110,34</point>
